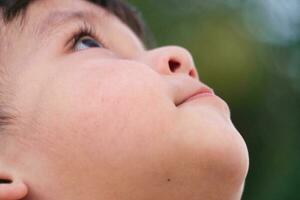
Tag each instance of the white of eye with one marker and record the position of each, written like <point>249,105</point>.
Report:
<point>85,43</point>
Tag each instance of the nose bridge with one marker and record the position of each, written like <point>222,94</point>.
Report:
<point>171,60</point>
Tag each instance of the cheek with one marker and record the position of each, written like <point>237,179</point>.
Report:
<point>108,114</point>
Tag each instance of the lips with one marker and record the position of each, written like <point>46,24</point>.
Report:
<point>202,92</point>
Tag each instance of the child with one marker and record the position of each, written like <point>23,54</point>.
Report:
<point>88,113</point>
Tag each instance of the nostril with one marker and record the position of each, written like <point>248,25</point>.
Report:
<point>5,181</point>
<point>174,65</point>
<point>192,73</point>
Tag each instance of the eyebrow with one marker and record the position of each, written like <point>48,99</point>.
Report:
<point>124,11</point>
<point>57,18</point>
<point>55,21</point>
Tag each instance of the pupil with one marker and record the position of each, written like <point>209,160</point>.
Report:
<point>90,43</point>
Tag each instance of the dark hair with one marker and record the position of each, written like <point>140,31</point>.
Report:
<point>127,13</point>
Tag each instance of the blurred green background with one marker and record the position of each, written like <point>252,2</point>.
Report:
<point>249,52</point>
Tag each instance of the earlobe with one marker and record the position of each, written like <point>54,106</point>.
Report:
<point>12,189</point>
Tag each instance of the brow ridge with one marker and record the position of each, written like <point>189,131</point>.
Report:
<point>58,18</point>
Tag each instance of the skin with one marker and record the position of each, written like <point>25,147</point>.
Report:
<point>108,123</point>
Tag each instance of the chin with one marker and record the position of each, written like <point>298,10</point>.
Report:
<point>216,151</point>
<point>231,163</point>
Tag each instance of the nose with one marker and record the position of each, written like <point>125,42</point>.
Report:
<point>171,60</point>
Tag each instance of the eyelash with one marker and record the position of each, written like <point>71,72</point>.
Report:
<point>83,30</point>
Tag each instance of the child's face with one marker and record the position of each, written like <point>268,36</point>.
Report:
<point>111,122</point>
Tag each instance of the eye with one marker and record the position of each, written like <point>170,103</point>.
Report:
<point>85,42</point>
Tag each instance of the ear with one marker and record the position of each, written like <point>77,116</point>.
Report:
<point>12,188</point>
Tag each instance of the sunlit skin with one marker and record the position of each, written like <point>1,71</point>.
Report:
<point>112,122</point>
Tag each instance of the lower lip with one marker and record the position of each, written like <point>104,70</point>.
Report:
<point>200,95</point>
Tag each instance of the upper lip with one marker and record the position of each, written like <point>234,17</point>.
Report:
<point>201,90</point>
